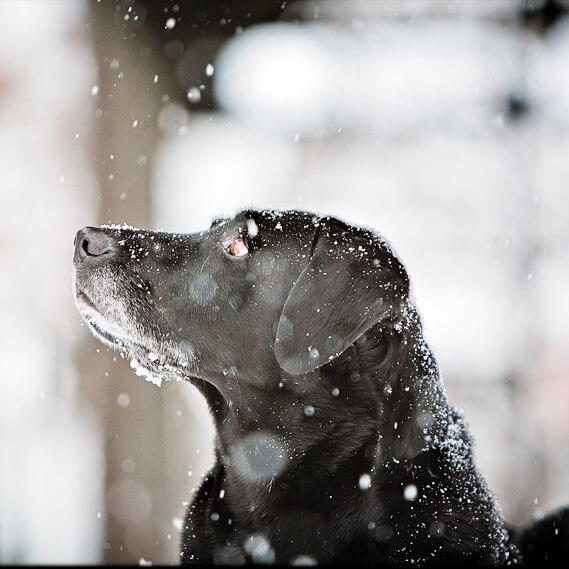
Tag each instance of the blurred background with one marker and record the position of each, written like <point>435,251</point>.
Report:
<point>442,124</point>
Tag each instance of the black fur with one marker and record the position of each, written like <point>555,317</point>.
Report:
<point>545,542</point>
<point>335,439</point>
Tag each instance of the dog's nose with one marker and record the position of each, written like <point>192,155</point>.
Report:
<point>91,243</point>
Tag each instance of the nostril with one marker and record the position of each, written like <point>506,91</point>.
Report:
<point>93,242</point>
<point>91,248</point>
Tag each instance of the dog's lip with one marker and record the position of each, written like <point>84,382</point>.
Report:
<point>93,317</point>
<point>83,298</point>
<point>108,336</point>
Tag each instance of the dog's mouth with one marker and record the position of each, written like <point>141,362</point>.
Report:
<point>109,337</point>
<point>83,299</point>
<point>98,323</point>
<point>150,360</point>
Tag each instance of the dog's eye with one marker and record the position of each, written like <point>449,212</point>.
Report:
<point>238,248</point>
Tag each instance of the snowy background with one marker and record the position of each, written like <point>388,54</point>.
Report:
<point>444,125</point>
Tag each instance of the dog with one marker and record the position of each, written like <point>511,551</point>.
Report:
<point>335,439</point>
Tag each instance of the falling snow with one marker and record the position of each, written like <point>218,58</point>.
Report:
<point>260,549</point>
<point>365,481</point>
<point>436,152</point>
<point>194,95</point>
<point>410,492</point>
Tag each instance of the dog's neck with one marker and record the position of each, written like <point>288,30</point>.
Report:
<point>388,380</point>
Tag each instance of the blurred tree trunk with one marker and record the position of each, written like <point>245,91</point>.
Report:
<point>139,501</point>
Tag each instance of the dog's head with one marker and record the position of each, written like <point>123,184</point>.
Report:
<point>267,286</point>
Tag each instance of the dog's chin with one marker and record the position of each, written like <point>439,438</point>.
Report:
<point>160,364</point>
<point>149,360</point>
<point>101,328</point>
<point>108,337</point>
<point>142,360</point>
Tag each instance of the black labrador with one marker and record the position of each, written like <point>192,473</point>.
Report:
<point>336,442</point>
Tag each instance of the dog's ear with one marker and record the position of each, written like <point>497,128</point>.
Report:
<point>352,281</point>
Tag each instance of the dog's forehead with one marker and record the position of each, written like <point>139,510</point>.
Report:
<point>268,224</point>
<point>278,222</point>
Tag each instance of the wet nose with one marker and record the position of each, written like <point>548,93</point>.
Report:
<point>92,243</point>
